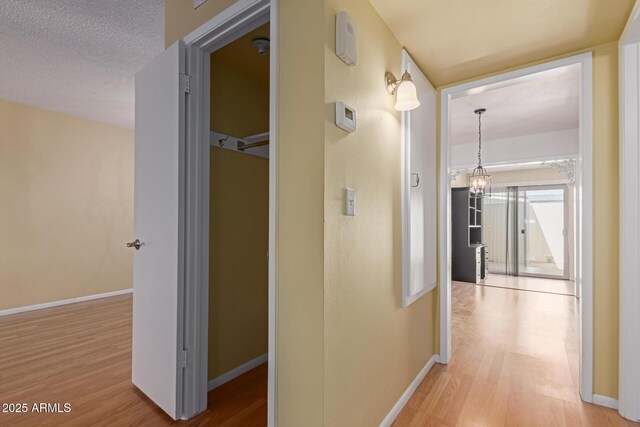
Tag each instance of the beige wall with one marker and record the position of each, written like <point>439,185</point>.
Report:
<point>180,18</point>
<point>66,206</point>
<point>300,183</point>
<point>373,347</point>
<point>239,105</point>
<point>239,224</point>
<point>301,160</point>
<point>606,238</point>
<point>238,280</point>
<point>304,44</point>
<point>605,214</point>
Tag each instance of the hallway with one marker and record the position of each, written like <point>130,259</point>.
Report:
<point>514,363</point>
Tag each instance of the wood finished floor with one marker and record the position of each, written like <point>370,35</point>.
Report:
<point>81,354</point>
<point>534,284</point>
<point>514,363</point>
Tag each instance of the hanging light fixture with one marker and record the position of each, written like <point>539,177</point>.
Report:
<point>480,180</point>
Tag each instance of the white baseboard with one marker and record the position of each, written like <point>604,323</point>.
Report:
<point>244,368</point>
<point>62,302</point>
<point>395,411</point>
<point>606,401</point>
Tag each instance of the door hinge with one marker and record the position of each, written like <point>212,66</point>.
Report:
<point>185,83</point>
<point>183,357</point>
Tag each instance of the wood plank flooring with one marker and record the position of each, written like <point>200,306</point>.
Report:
<point>81,354</point>
<point>514,363</point>
<point>534,284</point>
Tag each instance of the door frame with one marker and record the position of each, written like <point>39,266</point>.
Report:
<point>230,24</point>
<point>566,254</point>
<point>584,209</point>
<point>629,98</point>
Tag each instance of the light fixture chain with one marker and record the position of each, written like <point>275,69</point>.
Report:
<point>480,139</point>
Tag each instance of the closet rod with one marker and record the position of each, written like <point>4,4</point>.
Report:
<point>243,146</point>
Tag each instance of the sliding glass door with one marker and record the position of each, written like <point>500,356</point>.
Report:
<point>542,222</point>
<point>526,231</point>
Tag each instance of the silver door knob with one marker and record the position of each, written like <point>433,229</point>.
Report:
<point>135,244</point>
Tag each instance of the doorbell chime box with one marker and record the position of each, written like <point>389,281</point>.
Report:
<point>346,46</point>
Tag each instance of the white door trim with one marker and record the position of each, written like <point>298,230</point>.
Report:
<point>429,107</point>
<point>233,22</point>
<point>629,87</point>
<point>584,182</point>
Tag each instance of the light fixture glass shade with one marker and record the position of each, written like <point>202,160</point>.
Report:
<point>480,182</point>
<point>406,96</point>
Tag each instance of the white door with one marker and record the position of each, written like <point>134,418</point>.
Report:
<point>158,224</point>
<point>420,192</point>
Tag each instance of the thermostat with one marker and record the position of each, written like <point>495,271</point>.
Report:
<point>345,117</point>
<point>346,47</point>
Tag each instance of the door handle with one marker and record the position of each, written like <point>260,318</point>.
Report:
<point>135,244</point>
<point>417,181</point>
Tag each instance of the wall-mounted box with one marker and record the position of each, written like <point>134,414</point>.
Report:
<point>346,42</point>
<point>346,117</point>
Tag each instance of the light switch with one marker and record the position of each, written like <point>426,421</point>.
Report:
<point>349,202</point>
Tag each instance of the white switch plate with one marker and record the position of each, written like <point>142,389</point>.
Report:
<point>198,3</point>
<point>349,202</point>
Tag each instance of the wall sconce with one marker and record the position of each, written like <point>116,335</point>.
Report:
<point>404,89</point>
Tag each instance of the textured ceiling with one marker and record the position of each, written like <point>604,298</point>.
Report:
<point>543,102</point>
<point>78,57</point>
<point>455,40</point>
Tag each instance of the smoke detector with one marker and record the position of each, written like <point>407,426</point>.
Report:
<point>262,45</point>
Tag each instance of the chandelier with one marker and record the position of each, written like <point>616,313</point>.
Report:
<point>480,180</point>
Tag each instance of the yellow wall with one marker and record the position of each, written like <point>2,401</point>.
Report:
<point>180,18</point>
<point>66,206</point>
<point>300,182</point>
<point>606,238</point>
<point>305,313</point>
<point>605,213</point>
<point>374,348</point>
<point>239,227</point>
<point>239,105</point>
<point>301,160</point>
<point>238,280</point>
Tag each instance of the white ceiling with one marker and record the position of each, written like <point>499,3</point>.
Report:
<point>78,57</point>
<point>543,102</point>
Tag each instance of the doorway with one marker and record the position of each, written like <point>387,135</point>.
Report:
<point>526,151</point>
<point>231,24</point>
<point>543,240</point>
<point>239,227</point>
<point>528,229</point>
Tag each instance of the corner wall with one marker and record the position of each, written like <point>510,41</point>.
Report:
<point>300,204</point>
<point>66,206</point>
<point>374,348</point>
